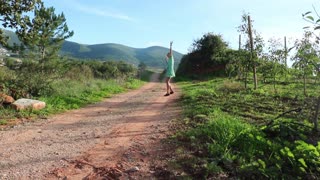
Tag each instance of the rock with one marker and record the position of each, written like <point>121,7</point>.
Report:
<point>22,104</point>
<point>6,99</point>
<point>134,169</point>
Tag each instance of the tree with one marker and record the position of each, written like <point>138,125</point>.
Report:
<point>236,62</point>
<point>252,57</point>
<point>276,56</point>
<point>305,57</point>
<point>11,13</point>
<point>266,67</point>
<point>211,46</point>
<point>207,56</point>
<point>314,21</point>
<point>254,44</point>
<point>316,26</point>
<point>45,33</point>
<point>232,66</point>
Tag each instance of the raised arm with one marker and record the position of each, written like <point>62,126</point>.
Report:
<point>171,48</point>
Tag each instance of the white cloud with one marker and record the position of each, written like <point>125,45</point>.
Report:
<point>107,12</point>
<point>103,13</point>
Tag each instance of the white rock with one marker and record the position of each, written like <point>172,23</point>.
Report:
<point>22,104</point>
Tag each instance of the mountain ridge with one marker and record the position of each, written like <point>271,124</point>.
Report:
<point>152,56</point>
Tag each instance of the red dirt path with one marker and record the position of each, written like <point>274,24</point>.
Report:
<point>119,138</point>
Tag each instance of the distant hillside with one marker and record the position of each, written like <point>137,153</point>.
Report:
<point>12,37</point>
<point>152,56</point>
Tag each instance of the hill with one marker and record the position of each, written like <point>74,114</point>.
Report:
<point>152,56</point>
<point>13,38</point>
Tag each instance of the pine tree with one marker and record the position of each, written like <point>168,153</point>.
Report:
<point>44,34</point>
<point>11,14</point>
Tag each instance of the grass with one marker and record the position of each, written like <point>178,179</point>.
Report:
<point>7,114</point>
<point>230,131</point>
<point>3,122</point>
<point>72,95</point>
<point>77,95</point>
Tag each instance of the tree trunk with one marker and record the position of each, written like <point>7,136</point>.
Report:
<point>42,54</point>
<point>42,51</point>
<point>255,81</point>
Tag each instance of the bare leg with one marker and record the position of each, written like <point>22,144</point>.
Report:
<point>168,84</point>
<point>171,91</point>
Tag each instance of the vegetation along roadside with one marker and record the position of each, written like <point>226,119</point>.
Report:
<point>238,126</point>
<point>63,85</point>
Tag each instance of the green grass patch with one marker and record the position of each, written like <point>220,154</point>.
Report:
<point>133,83</point>
<point>71,94</point>
<point>230,131</point>
<point>3,122</point>
<point>76,95</point>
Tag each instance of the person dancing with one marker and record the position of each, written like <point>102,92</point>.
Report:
<point>169,71</point>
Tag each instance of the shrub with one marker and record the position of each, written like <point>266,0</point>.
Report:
<point>81,73</point>
<point>6,74</point>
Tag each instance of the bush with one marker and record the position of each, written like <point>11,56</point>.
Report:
<point>6,74</point>
<point>81,73</point>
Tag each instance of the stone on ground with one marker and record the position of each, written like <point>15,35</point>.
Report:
<point>22,104</point>
<point>6,99</point>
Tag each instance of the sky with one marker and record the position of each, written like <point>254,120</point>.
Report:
<point>144,23</point>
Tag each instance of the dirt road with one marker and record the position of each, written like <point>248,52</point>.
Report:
<point>118,138</point>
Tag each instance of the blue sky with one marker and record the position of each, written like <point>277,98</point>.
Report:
<point>144,23</point>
